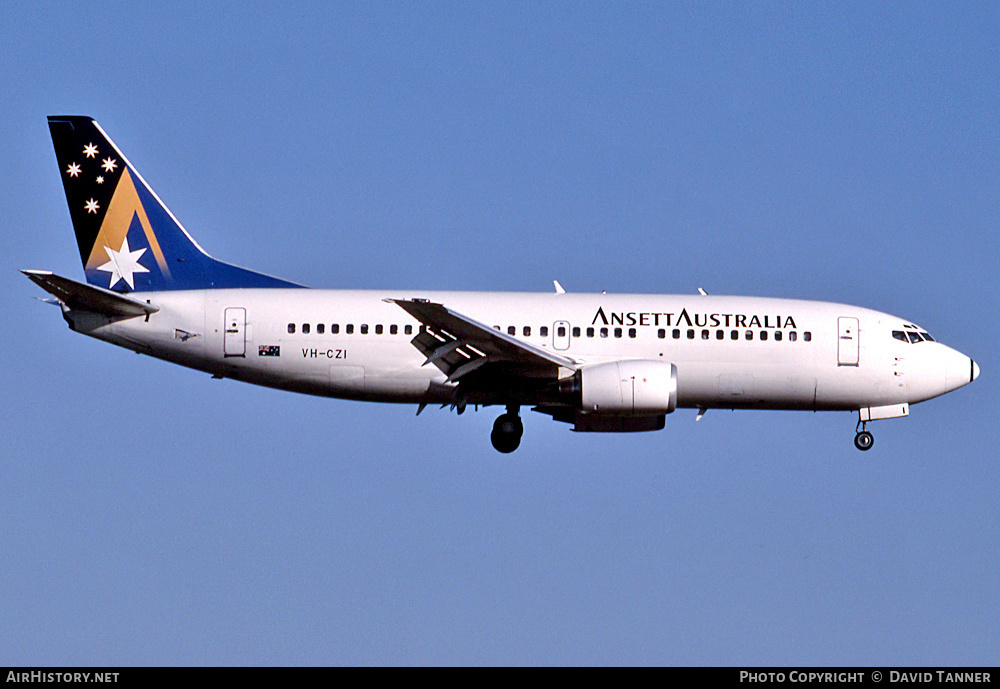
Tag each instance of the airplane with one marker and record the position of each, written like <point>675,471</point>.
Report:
<point>601,362</point>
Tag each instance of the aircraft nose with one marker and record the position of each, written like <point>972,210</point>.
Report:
<point>959,370</point>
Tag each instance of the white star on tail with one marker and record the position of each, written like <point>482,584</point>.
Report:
<point>109,164</point>
<point>123,264</point>
<point>73,170</point>
<point>91,206</point>
<point>90,150</point>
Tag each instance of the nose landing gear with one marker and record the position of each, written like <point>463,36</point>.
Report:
<point>507,431</point>
<point>863,440</point>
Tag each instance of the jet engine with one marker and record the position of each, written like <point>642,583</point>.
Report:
<point>633,387</point>
<point>624,388</point>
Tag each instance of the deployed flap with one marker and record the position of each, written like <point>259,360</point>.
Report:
<point>77,295</point>
<point>458,345</point>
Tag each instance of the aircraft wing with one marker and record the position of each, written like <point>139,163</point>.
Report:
<point>79,296</point>
<point>459,345</point>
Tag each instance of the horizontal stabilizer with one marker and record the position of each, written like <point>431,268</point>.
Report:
<point>76,295</point>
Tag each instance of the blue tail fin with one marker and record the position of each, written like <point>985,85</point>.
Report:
<point>130,241</point>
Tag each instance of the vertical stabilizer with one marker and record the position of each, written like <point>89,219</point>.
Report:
<point>129,241</point>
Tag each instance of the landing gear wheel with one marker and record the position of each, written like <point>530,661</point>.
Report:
<point>507,432</point>
<point>864,441</point>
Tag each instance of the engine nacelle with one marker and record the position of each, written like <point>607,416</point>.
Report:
<point>634,387</point>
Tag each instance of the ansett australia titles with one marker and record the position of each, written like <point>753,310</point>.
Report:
<point>700,320</point>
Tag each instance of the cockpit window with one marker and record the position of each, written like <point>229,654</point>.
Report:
<point>911,336</point>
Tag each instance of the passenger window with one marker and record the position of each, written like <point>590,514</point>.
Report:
<point>511,330</point>
<point>763,335</point>
<point>407,329</point>
<point>305,328</point>
<point>320,328</point>
<point>677,333</point>
<point>393,329</point>
<point>720,334</point>
<point>590,332</point>
<point>364,329</point>
<point>792,336</point>
<point>777,336</point>
<point>604,332</point>
<point>661,333</point>
<point>335,328</point>
<point>691,334</point>
<point>349,329</point>
<point>291,328</point>
<point>561,331</point>
<point>705,334</point>
<point>618,332</point>
<point>807,336</point>
<point>749,335</point>
<point>544,331</point>
<point>631,332</point>
<point>527,331</point>
<point>734,335</point>
<point>378,329</point>
<point>576,331</point>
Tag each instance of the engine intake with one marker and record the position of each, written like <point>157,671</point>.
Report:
<point>628,388</point>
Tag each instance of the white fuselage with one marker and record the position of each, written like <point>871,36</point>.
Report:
<point>729,352</point>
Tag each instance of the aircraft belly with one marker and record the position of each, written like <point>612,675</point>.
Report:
<point>358,383</point>
<point>388,389</point>
<point>161,336</point>
<point>706,384</point>
<point>849,388</point>
<point>787,388</point>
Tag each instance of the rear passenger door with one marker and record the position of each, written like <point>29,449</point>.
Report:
<point>235,343</point>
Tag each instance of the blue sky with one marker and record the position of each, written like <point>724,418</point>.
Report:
<point>845,152</point>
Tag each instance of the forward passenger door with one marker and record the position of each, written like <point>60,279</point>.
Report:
<point>848,344</point>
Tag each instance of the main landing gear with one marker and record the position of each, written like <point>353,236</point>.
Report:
<point>863,440</point>
<point>507,431</point>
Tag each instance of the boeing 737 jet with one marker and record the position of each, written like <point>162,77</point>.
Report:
<point>601,362</point>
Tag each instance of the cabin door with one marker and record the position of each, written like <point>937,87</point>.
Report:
<point>234,340</point>
<point>847,344</point>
